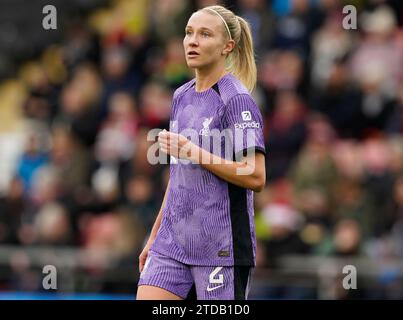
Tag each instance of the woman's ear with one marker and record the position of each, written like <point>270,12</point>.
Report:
<point>229,47</point>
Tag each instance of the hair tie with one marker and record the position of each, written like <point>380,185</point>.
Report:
<point>223,20</point>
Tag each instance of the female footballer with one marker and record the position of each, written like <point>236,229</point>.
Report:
<point>204,235</point>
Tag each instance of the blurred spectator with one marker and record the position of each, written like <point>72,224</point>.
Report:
<point>113,234</point>
<point>155,105</point>
<point>116,138</point>
<point>40,104</point>
<point>79,100</point>
<point>69,159</point>
<point>139,165</point>
<point>347,157</point>
<point>52,225</point>
<point>174,69</point>
<point>329,44</point>
<point>46,186</point>
<point>169,18</point>
<point>346,241</point>
<point>279,70</point>
<point>314,166</point>
<point>12,205</point>
<point>284,238</point>
<point>261,20</point>
<point>282,223</point>
<point>395,121</point>
<point>378,53</point>
<point>397,231</point>
<point>376,106</point>
<point>34,157</point>
<point>337,98</point>
<point>118,73</point>
<point>80,45</point>
<point>286,133</point>
<point>104,182</point>
<point>378,180</point>
<point>293,30</point>
<point>141,200</point>
<point>314,206</point>
<point>395,144</point>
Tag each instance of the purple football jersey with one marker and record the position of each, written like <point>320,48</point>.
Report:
<point>208,221</point>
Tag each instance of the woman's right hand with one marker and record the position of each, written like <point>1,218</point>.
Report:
<point>143,256</point>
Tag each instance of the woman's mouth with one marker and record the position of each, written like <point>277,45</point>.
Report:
<point>192,54</point>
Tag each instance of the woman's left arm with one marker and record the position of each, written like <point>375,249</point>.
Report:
<point>249,173</point>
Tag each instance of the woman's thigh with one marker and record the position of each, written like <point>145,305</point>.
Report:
<point>164,278</point>
<point>145,292</point>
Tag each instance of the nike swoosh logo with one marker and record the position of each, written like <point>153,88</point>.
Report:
<point>213,288</point>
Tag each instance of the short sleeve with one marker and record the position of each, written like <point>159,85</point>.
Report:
<point>243,120</point>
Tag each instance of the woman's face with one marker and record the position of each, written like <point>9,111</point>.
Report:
<point>204,42</point>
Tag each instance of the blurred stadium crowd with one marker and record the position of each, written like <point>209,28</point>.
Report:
<point>74,124</point>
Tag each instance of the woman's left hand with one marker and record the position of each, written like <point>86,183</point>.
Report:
<point>177,145</point>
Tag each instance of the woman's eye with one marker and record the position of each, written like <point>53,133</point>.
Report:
<point>204,34</point>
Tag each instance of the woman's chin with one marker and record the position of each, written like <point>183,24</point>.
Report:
<point>193,64</point>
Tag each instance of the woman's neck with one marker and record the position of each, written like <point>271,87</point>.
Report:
<point>205,79</point>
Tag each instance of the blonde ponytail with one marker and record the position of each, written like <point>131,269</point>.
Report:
<point>241,61</point>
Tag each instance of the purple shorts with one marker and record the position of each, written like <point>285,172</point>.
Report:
<point>207,283</point>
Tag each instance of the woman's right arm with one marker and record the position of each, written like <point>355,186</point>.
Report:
<point>153,234</point>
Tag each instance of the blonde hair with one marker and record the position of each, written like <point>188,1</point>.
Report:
<point>241,61</point>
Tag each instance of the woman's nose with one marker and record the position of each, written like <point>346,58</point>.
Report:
<point>193,41</point>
